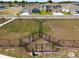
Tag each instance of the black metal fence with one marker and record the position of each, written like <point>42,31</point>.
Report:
<point>9,43</point>
<point>29,39</point>
<point>49,38</point>
<point>69,43</point>
<point>53,46</point>
<point>58,43</point>
<point>41,48</point>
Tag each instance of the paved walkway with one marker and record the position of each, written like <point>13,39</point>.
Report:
<point>5,57</point>
<point>6,22</point>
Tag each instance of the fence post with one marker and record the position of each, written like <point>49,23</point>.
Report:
<point>26,47</point>
<point>20,43</point>
<point>59,43</point>
<point>36,47</point>
<point>73,43</point>
<point>32,37</point>
<point>9,44</point>
<point>52,47</point>
<point>49,37</point>
<point>46,36</point>
<point>41,47</point>
<point>29,38</point>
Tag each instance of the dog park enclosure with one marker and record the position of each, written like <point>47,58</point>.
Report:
<point>52,42</point>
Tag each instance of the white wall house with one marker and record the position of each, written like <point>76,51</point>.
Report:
<point>65,10</point>
<point>25,12</point>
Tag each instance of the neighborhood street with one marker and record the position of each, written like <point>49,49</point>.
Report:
<point>43,17</point>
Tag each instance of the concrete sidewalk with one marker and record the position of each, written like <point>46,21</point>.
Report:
<point>5,57</point>
<point>44,17</point>
<point>6,22</point>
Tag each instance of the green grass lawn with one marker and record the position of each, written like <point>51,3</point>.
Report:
<point>43,13</point>
<point>46,13</point>
<point>17,28</point>
<point>20,28</point>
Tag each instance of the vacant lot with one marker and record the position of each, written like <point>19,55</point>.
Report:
<point>64,29</point>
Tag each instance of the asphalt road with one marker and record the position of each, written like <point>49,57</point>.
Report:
<point>43,17</point>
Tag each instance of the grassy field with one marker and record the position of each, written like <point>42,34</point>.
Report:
<point>20,28</point>
<point>16,29</point>
<point>14,52</point>
<point>20,53</point>
<point>63,29</point>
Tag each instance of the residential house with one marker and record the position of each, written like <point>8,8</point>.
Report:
<point>51,7</point>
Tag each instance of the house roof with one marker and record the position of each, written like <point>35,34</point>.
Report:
<point>51,4</point>
<point>70,6</point>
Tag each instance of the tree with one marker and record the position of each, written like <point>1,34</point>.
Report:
<point>49,1</point>
<point>36,2</point>
<point>1,1</point>
<point>23,1</point>
<point>15,1</point>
